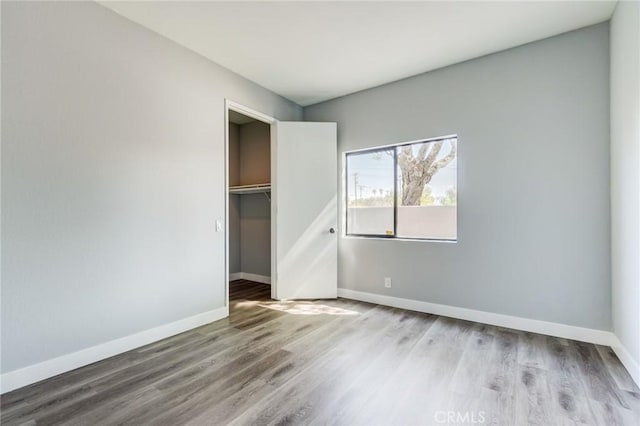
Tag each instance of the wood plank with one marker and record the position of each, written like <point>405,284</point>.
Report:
<point>532,404</point>
<point>497,400</point>
<point>617,371</point>
<point>394,347</point>
<point>568,395</point>
<point>471,373</point>
<point>608,414</point>
<point>598,383</point>
<point>532,350</point>
<point>424,374</point>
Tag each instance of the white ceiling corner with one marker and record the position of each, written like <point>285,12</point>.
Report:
<point>314,51</point>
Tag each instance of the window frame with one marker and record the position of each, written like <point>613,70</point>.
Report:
<point>395,191</point>
<point>393,147</point>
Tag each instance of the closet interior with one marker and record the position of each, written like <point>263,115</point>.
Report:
<point>249,215</point>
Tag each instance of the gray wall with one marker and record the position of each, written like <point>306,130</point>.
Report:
<point>234,200</point>
<point>112,178</point>
<point>234,154</point>
<point>255,153</point>
<point>235,253</point>
<point>533,188</point>
<point>255,234</point>
<point>625,176</point>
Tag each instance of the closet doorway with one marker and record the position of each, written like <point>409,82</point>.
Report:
<point>249,207</point>
<point>281,223</point>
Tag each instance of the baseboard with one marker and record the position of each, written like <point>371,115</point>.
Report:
<point>250,277</point>
<point>589,335</point>
<point>627,360</point>
<point>34,373</point>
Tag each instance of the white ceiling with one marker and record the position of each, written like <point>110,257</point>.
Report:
<point>313,51</point>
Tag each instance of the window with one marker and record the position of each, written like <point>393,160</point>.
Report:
<point>403,191</point>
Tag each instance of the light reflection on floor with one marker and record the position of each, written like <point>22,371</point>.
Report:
<point>246,304</point>
<point>297,307</point>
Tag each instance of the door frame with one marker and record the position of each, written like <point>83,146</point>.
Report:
<point>230,105</point>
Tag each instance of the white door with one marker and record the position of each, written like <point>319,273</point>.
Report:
<point>305,250</point>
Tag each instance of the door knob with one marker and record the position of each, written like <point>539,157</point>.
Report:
<point>332,231</point>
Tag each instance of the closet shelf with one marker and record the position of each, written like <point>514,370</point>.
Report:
<point>250,189</point>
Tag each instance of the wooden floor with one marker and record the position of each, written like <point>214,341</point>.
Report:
<point>338,362</point>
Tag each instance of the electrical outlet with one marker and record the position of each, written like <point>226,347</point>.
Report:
<point>387,282</point>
